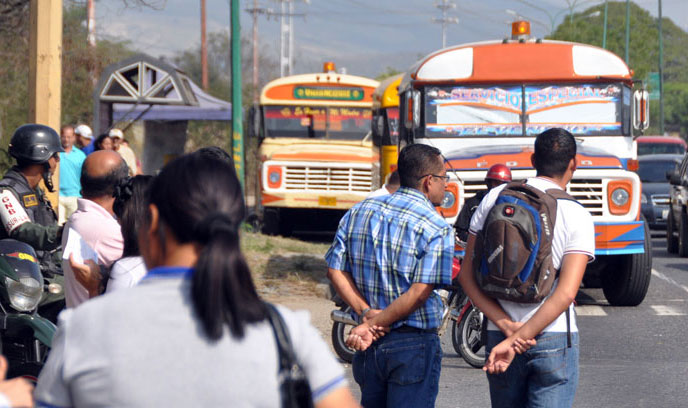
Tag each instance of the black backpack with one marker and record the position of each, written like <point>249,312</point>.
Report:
<point>512,258</point>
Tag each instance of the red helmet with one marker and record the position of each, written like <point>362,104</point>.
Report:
<point>499,172</point>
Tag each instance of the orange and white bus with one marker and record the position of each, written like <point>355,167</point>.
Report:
<point>316,151</point>
<point>484,103</point>
<point>386,123</point>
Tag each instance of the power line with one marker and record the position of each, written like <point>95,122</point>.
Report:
<point>445,6</point>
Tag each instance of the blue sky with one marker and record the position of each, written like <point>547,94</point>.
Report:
<point>364,35</point>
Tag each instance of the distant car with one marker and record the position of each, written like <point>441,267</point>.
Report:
<point>677,222</point>
<point>660,145</point>
<point>652,170</point>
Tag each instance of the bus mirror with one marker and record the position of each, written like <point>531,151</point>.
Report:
<point>416,109</point>
<point>253,121</point>
<point>641,109</point>
<point>408,104</point>
<point>378,129</point>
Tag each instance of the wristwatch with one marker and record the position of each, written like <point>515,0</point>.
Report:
<point>364,311</point>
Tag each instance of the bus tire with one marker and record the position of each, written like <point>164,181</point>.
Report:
<point>271,221</point>
<point>626,281</point>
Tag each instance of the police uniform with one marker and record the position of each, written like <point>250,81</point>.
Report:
<point>39,228</point>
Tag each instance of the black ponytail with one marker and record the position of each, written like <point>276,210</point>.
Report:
<point>200,201</point>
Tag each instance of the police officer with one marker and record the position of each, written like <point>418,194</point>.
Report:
<point>496,175</point>
<point>25,213</point>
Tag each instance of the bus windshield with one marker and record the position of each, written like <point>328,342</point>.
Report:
<point>484,111</point>
<point>317,122</point>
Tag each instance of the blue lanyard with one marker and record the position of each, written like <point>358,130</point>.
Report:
<point>169,272</point>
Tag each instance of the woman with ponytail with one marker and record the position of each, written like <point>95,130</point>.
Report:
<point>193,332</point>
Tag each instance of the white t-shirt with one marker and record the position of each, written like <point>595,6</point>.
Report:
<point>126,272</point>
<point>144,347</point>
<point>574,232</point>
<point>380,192</point>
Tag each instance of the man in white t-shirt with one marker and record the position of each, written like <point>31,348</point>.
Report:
<point>546,371</point>
<point>390,187</point>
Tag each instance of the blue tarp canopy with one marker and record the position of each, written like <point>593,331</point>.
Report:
<point>209,108</point>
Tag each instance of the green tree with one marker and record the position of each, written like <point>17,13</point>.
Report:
<point>388,72</point>
<point>587,27</point>
<point>77,59</point>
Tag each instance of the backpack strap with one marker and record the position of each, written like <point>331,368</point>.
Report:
<point>563,195</point>
<point>560,194</point>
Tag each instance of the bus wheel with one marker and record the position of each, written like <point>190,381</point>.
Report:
<point>625,282</point>
<point>271,221</point>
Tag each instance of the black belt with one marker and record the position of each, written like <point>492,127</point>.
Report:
<point>410,329</point>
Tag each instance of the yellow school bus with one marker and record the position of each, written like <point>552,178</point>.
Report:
<point>386,123</point>
<point>316,151</point>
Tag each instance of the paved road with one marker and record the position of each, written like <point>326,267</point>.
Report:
<point>630,357</point>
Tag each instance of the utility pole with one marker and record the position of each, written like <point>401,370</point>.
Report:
<point>237,118</point>
<point>604,31</point>
<point>204,50</point>
<point>45,68</point>
<point>445,6</point>
<point>91,23</point>
<point>255,52</point>
<point>661,72</point>
<point>628,28</point>
<point>91,39</point>
<point>286,59</point>
<point>284,38</point>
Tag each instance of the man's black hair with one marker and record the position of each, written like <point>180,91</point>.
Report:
<point>554,149</point>
<point>416,161</point>
<point>215,152</point>
<point>103,186</point>
<point>393,179</point>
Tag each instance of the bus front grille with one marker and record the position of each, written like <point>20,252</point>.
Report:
<point>324,178</point>
<point>588,192</point>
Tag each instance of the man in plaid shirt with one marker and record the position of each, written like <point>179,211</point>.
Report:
<point>388,255</point>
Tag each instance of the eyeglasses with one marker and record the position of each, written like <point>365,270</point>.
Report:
<point>445,177</point>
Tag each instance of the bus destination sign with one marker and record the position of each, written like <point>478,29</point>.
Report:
<point>328,93</point>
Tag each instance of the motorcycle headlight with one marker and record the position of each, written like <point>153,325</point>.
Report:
<point>620,197</point>
<point>449,200</point>
<point>25,294</point>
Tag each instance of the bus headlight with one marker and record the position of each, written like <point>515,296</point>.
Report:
<point>619,196</point>
<point>274,176</point>
<point>449,200</point>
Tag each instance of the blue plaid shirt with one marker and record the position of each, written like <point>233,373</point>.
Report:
<point>388,243</point>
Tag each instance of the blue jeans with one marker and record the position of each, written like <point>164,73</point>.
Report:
<point>544,376</point>
<point>399,370</point>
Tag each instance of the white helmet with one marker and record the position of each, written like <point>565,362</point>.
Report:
<point>84,131</point>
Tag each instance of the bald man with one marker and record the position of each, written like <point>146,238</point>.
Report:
<point>94,218</point>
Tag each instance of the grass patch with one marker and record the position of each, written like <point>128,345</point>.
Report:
<point>284,265</point>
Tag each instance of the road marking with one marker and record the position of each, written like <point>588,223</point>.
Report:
<point>661,310</point>
<point>668,279</point>
<point>590,310</point>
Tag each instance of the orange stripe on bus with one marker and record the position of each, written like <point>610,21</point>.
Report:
<point>267,198</point>
<point>326,157</point>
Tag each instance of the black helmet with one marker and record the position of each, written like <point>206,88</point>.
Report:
<point>34,143</point>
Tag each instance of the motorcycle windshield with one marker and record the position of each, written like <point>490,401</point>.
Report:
<point>18,260</point>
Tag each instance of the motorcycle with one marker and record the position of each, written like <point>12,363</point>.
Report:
<point>466,323</point>
<point>25,336</point>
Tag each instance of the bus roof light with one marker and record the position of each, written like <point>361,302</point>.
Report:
<point>520,30</point>
<point>328,67</point>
